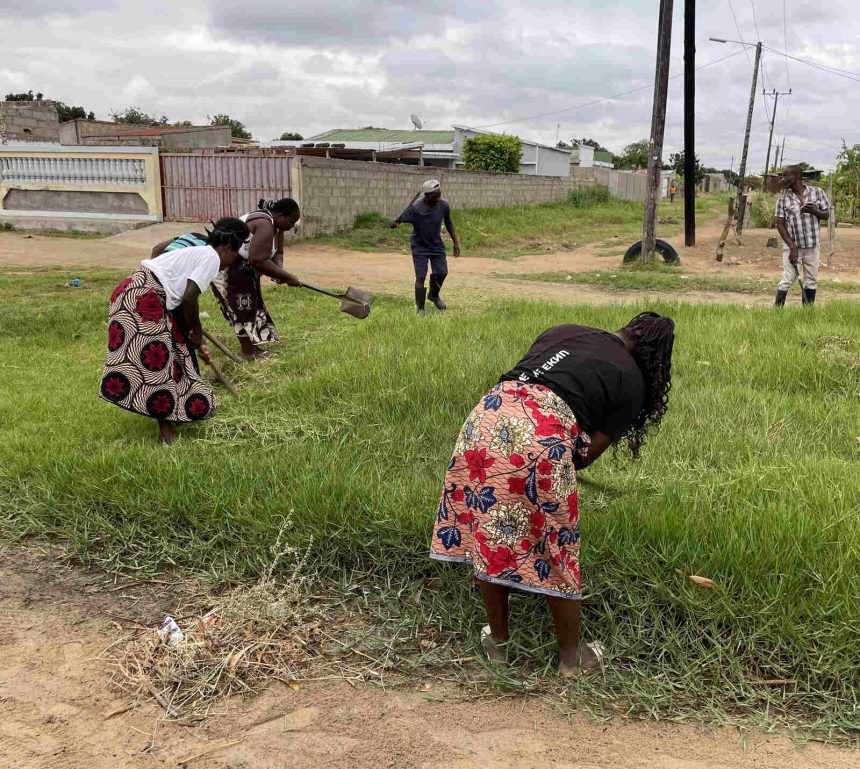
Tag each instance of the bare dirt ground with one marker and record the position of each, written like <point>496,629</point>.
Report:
<point>392,272</point>
<point>55,622</point>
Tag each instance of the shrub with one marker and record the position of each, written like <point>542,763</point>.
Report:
<point>586,197</point>
<point>763,208</point>
<point>492,152</point>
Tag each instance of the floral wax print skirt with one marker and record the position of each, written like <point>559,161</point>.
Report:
<point>509,504</point>
<point>150,368</point>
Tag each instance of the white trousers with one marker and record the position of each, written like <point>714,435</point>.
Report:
<point>808,260</point>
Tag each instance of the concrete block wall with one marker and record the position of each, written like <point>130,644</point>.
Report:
<point>31,121</point>
<point>333,192</point>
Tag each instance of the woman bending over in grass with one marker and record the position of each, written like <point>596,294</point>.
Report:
<point>237,289</point>
<point>509,504</point>
<point>151,368</point>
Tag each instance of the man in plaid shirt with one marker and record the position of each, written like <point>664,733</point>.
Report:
<point>798,213</point>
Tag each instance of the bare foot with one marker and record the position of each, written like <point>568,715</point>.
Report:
<point>587,658</point>
<point>491,646</point>
<point>165,433</point>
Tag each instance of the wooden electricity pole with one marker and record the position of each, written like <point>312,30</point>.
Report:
<point>689,122</point>
<point>776,94</point>
<point>658,127</point>
<point>742,187</point>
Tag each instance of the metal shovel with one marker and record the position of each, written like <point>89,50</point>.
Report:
<point>354,301</point>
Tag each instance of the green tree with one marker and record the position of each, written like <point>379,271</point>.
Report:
<point>676,163</point>
<point>236,127</point>
<point>24,96</point>
<point>65,112</point>
<point>846,183</point>
<point>289,136</point>
<point>591,143</point>
<point>136,116</point>
<point>498,153</point>
<point>634,157</point>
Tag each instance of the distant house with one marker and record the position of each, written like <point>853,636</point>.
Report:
<point>441,149</point>
<point>586,156</point>
<point>105,133</point>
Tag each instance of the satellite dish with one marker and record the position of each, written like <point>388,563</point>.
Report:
<point>416,121</point>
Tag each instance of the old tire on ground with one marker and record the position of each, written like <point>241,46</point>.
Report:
<point>669,254</point>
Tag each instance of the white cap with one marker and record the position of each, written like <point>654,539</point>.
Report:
<point>431,185</point>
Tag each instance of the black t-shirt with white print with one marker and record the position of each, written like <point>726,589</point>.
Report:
<point>590,370</point>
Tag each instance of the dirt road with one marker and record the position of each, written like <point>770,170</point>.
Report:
<point>392,272</point>
<point>55,622</point>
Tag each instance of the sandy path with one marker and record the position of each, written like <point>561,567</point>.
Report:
<point>54,623</point>
<point>392,272</point>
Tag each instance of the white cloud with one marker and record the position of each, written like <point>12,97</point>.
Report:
<point>311,66</point>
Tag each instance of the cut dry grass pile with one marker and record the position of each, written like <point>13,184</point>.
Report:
<point>253,635</point>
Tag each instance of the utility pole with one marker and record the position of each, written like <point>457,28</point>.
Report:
<point>658,127</point>
<point>776,94</point>
<point>689,122</point>
<point>742,189</point>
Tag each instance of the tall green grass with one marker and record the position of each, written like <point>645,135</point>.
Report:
<point>754,481</point>
<point>585,216</point>
<point>663,277</point>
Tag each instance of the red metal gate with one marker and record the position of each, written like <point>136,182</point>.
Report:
<point>201,187</point>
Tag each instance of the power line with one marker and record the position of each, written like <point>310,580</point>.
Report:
<point>740,34</point>
<point>785,42</point>
<point>755,20</point>
<point>855,76</point>
<point>602,99</point>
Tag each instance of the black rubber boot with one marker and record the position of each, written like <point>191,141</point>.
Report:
<point>436,282</point>
<point>420,297</point>
<point>808,297</point>
<point>780,298</point>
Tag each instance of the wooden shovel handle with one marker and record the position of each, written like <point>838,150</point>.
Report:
<point>220,345</point>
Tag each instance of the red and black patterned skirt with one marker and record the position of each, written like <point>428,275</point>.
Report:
<point>150,368</point>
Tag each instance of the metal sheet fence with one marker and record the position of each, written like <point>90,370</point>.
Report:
<point>201,187</point>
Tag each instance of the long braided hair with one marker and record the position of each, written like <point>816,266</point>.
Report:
<point>653,337</point>
<point>228,231</point>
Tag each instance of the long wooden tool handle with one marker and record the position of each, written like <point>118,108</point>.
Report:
<point>220,345</point>
<point>219,375</point>
<point>323,291</point>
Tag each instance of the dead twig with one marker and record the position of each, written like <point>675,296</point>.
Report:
<point>208,751</point>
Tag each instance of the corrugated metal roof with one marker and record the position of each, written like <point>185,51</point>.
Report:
<point>603,155</point>
<point>383,135</point>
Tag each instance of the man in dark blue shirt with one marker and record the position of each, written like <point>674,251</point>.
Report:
<point>426,217</point>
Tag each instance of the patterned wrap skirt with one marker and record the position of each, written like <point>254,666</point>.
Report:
<point>509,505</point>
<point>238,293</point>
<point>150,368</point>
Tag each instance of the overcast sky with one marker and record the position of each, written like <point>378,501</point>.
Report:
<point>310,66</point>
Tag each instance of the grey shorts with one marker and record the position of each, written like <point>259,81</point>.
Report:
<point>438,264</point>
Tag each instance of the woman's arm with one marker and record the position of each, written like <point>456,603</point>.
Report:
<point>260,253</point>
<point>599,443</point>
<point>278,257</point>
<point>159,248</point>
<point>191,310</point>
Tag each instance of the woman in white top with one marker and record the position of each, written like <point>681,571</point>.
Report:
<point>151,368</point>
<point>237,288</point>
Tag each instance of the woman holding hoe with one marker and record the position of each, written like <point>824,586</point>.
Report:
<point>154,315</point>
<point>237,289</point>
<point>509,504</point>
